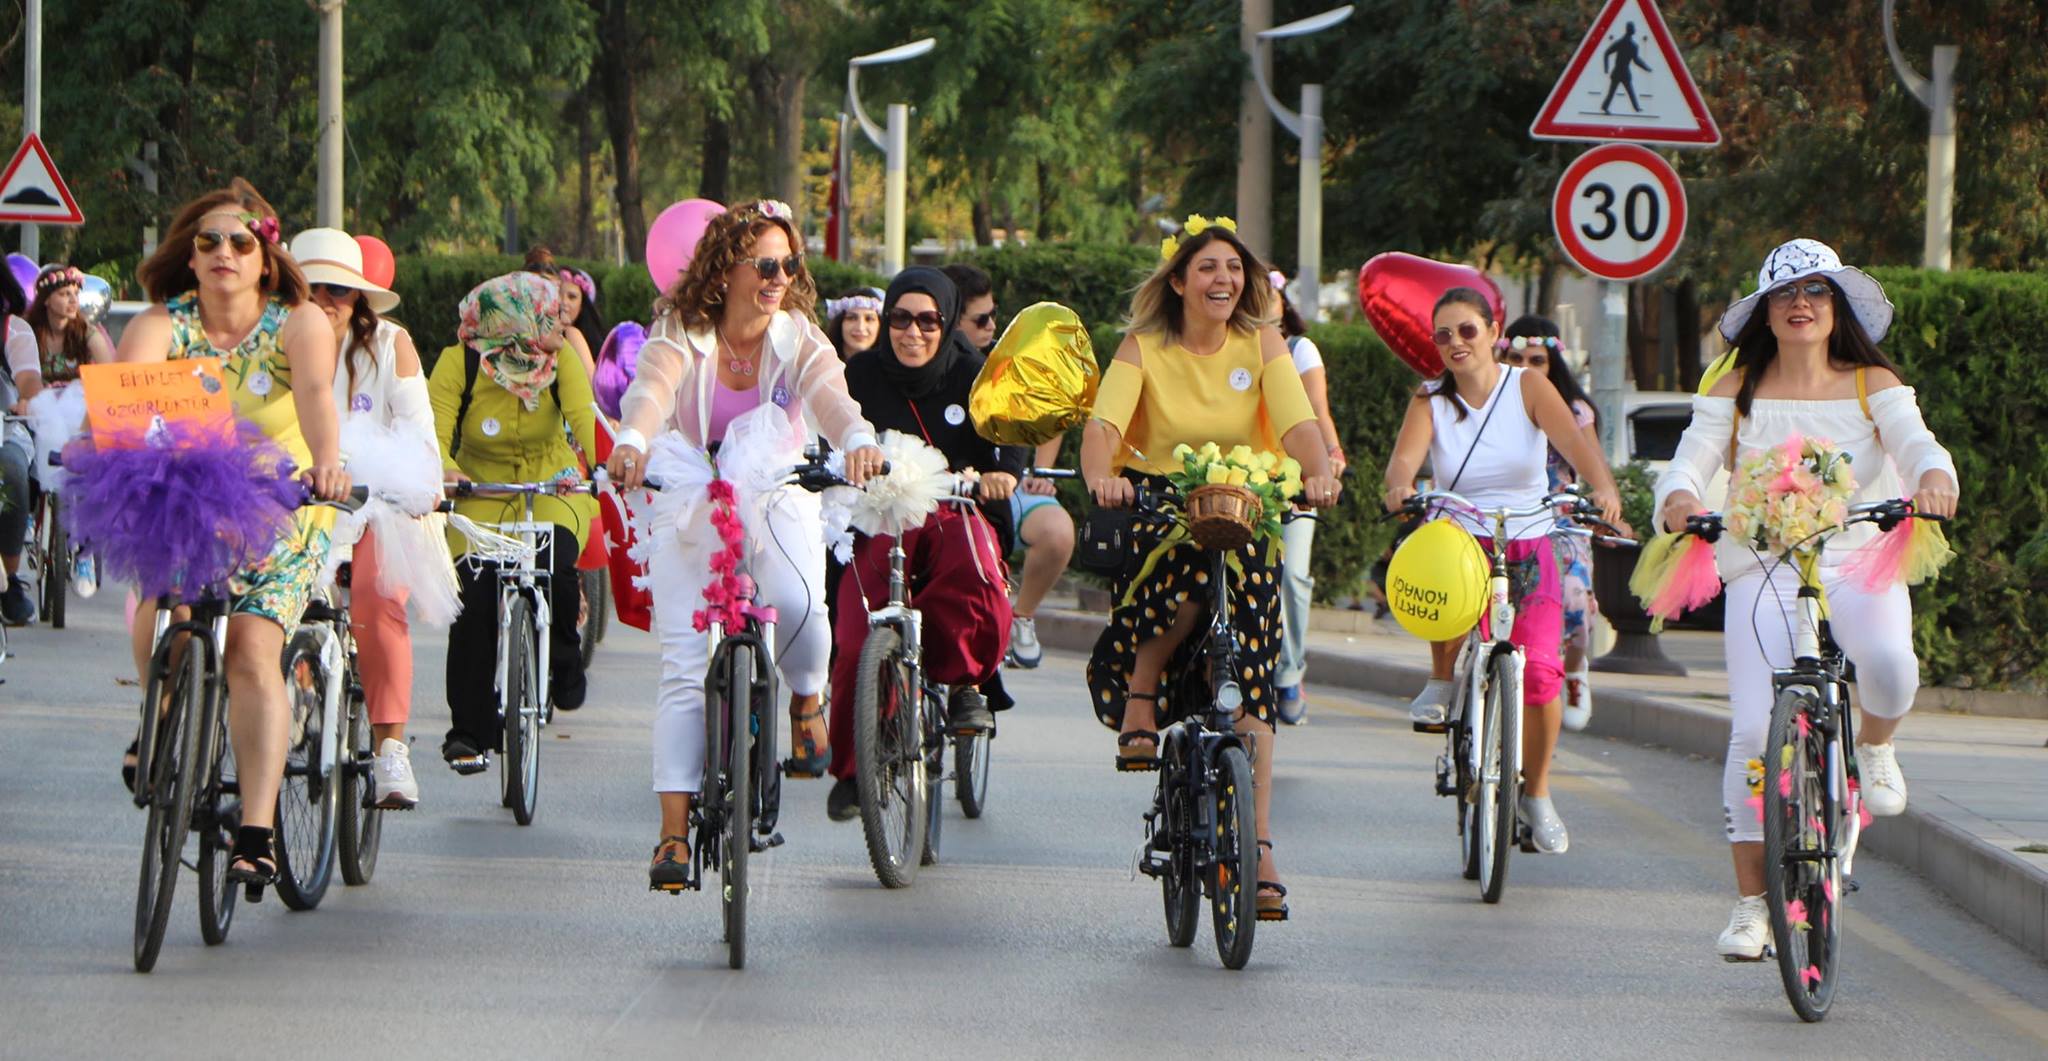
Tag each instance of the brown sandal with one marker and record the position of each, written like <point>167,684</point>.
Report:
<point>1271,907</point>
<point>669,873</point>
<point>1137,750</point>
<point>812,757</point>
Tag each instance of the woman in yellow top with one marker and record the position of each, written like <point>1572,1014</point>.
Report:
<point>501,399</point>
<point>1200,362</point>
<point>227,289</point>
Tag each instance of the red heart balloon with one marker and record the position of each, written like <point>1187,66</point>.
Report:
<point>1398,293</point>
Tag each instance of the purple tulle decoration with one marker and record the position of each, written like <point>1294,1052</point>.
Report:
<point>618,360</point>
<point>184,510</point>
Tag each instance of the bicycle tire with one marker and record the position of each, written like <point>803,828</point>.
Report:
<point>1801,864</point>
<point>597,597</point>
<point>216,845</point>
<point>521,776</point>
<point>1503,737</point>
<point>1180,889</point>
<point>173,776</point>
<point>362,824</point>
<point>1234,900</point>
<point>934,780</point>
<point>737,703</point>
<point>307,803</point>
<point>1468,803</point>
<point>889,773</point>
<point>971,757</point>
<point>56,562</point>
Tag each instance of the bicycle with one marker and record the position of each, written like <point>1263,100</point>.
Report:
<point>180,757</point>
<point>521,674</point>
<point>47,551</point>
<point>1811,800</point>
<point>1482,761</point>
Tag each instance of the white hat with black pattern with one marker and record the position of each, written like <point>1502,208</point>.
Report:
<point>1800,258</point>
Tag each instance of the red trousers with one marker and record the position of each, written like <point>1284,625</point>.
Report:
<point>957,582</point>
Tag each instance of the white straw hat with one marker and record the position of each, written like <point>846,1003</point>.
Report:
<point>331,256</point>
<point>1799,259</point>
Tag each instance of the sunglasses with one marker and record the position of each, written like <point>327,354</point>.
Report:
<point>209,241</point>
<point>1813,289</point>
<point>770,268</point>
<point>928,321</point>
<point>334,291</point>
<point>983,320</point>
<point>1467,331</point>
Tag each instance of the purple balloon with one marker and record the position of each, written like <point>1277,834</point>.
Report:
<point>24,269</point>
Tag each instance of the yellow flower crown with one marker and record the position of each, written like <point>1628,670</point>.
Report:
<point>1195,225</point>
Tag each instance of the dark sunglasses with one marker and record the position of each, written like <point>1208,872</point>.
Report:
<point>1814,289</point>
<point>928,321</point>
<point>1467,331</point>
<point>334,291</point>
<point>770,268</point>
<point>983,320</point>
<point>209,241</point>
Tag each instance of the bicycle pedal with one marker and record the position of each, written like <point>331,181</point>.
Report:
<point>672,889</point>
<point>1136,766</point>
<point>758,844</point>
<point>1430,727</point>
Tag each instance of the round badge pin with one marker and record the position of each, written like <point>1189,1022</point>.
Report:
<point>360,403</point>
<point>781,395</point>
<point>956,415</point>
<point>259,383</point>
<point>1240,379</point>
<point>491,426</point>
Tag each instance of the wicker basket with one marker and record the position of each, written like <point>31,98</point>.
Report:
<point>1221,516</point>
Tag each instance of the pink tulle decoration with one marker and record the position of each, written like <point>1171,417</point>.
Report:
<point>1809,975</point>
<point>1756,802</point>
<point>1784,784</point>
<point>1694,581</point>
<point>1795,912</point>
<point>729,596</point>
<point>1877,565</point>
<point>1863,815</point>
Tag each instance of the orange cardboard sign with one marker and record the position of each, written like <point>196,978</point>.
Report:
<point>130,401</point>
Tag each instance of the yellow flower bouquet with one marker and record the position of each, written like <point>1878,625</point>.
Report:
<point>1270,480</point>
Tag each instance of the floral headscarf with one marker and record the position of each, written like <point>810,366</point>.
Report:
<point>504,320</point>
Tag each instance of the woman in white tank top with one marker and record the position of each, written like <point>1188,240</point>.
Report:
<point>1483,426</point>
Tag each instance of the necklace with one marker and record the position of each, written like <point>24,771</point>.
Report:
<point>733,361</point>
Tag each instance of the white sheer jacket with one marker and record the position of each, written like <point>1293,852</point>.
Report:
<point>672,388</point>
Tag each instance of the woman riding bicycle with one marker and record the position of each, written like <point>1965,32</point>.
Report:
<point>379,380</point>
<point>17,452</point>
<point>916,380</point>
<point>1483,425</point>
<point>1200,362</point>
<point>225,288</point>
<point>505,403</point>
<point>1808,365</point>
<point>734,361</point>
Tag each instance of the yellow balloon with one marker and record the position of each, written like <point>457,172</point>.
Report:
<point>1038,382</point>
<point>1436,582</point>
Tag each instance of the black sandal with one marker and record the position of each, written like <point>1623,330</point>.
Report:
<point>667,874</point>
<point>1128,759</point>
<point>463,757</point>
<point>811,764</point>
<point>251,862</point>
<point>130,760</point>
<point>1271,907</point>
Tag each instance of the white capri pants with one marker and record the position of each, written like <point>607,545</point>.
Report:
<point>1875,631</point>
<point>1297,539</point>
<point>788,568</point>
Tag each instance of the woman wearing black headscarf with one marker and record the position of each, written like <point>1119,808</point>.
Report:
<point>915,379</point>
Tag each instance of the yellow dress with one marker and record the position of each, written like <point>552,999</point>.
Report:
<point>1173,396</point>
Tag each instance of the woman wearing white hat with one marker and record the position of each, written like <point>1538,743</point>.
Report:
<point>1808,364</point>
<point>380,393</point>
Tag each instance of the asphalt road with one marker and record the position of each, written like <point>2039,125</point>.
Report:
<point>1034,939</point>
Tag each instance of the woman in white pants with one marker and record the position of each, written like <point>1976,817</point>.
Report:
<point>734,361</point>
<point>1808,365</point>
<point>1298,537</point>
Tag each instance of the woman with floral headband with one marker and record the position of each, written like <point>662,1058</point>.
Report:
<point>1200,362</point>
<point>734,363</point>
<point>225,288</point>
<point>505,404</point>
<point>854,321</point>
<point>1808,364</point>
<point>60,339</point>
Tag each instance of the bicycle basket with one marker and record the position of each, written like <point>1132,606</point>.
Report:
<point>1222,516</point>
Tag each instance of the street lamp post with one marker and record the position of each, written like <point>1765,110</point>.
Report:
<point>327,200</point>
<point>894,145</point>
<point>1307,126</point>
<point>1938,95</point>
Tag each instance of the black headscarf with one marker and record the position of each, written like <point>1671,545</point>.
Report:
<point>921,380</point>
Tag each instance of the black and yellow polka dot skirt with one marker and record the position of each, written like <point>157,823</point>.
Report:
<point>1183,574</point>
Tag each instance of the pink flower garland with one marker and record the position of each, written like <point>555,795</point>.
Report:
<point>729,597</point>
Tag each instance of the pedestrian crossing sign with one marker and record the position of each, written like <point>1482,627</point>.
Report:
<point>1627,83</point>
<point>31,192</point>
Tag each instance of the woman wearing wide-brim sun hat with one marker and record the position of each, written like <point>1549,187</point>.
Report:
<point>387,437</point>
<point>1807,363</point>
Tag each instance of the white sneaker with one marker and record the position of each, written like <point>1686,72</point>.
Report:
<point>85,578</point>
<point>391,776</point>
<point>1546,829</point>
<point>1431,704</point>
<point>1748,931</point>
<point>1884,787</point>
<point>1024,647</point>
<point>1578,700</point>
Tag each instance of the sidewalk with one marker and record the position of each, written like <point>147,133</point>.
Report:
<point>1978,785</point>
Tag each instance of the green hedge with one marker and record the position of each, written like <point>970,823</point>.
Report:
<point>433,285</point>
<point>837,278</point>
<point>1094,280</point>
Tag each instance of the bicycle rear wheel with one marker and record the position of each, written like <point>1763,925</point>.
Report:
<point>362,824</point>
<point>521,771</point>
<point>735,701</point>
<point>970,772</point>
<point>173,776</point>
<point>307,807</point>
<point>216,842</point>
<point>597,603</point>
<point>1234,901</point>
<point>887,735</point>
<point>1498,784</point>
<point>1802,865</point>
<point>55,546</point>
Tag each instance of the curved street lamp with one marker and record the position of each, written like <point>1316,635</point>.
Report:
<point>1307,126</point>
<point>1938,95</point>
<point>894,145</point>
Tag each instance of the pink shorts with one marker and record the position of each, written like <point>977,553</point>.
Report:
<point>1539,616</point>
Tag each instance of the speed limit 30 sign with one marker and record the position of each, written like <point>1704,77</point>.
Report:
<point>1619,212</point>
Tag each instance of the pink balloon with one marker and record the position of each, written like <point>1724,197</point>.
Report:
<point>1398,293</point>
<point>672,240</point>
<point>379,267</point>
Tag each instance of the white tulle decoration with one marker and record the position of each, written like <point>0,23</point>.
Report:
<point>917,479</point>
<point>400,464</point>
<point>57,415</point>
<point>676,510</point>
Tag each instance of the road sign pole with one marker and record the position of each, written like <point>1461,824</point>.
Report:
<point>1608,358</point>
<point>32,104</point>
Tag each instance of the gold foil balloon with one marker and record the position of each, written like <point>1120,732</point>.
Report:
<point>1038,382</point>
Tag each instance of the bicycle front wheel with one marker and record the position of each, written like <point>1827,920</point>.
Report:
<point>521,768</point>
<point>306,801</point>
<point>362,824</point>
<point>216,842</point>
<point>1498,783</point>
<point>56,549</point>
<point>1802,861</point>
<point>173,776</point>
<point>970,772</point>
<point>735,681</point>
<point>1234,901</point>
<point>888,735</point>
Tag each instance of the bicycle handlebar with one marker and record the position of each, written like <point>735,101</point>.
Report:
<point>1887,514</point>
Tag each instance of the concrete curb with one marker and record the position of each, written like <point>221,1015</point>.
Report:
<point>2001,889</point>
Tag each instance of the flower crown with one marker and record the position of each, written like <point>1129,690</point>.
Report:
<point>774,208</point>
<point>54,278</point>
<point>836,306</point>
<point>1195,225</point>
<point>1523,342</point>
<point>264,227</point>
